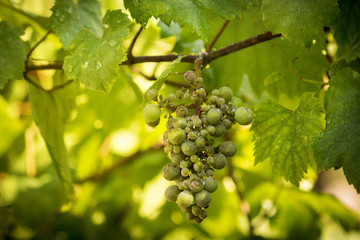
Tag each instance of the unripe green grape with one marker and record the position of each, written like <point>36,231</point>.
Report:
<point>181,111</point>
<point>200,79</point>
<point>180,122</point>
<point>227,123</point>
<point>198,166</point>
<point>190,216</point>
<point>209,150</point>
<point>213,99</point>
<point>226,93</point>
<point>204,133</point>
<point>210,141</point>
<point>220,101</point>
<point>177,158</point>
<point>202,199</point>
<point>219,161</point>
<point>196,210</point>
<point>192,135</point>
<point>197,220</point>
<point>190,124</point>
<point>244,115</point>
<point>214,116</point>
<point>200,142</point>
<point>228,148</point>
<point>179,93</point>
<point>187,129</point>
<point>194,158</point>
<point>236,102</point>
<point>171,172</point>
<point>190,76</point>
<point>195,185</point>
<point>177,136</point>
<point>185,183</point>
<point>209,172</point>
<point>171,193</point>
<point>187,95</point>
<point>151,113</point>
<point>224,108</point>
<point>202,92</point>
<point>177,149</point>
<point>185,199</point>
<point>210,184</point>
<point>188,148</point>
<point>171,97</point>
<point>194,97</point>
<point>185,172</point>
<point>152,94</point>
<point>200,174</point>
<point>215,92</point>
<point>219,130</point>
<point>184,164</point>
<point>153,124</point>
<point>179,184</point>
<point>203,214</point>
<point>211,129</point>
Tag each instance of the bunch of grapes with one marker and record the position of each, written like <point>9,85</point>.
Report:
<point>189,139</point>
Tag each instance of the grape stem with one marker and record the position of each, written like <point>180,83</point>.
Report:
<point>211,45</point>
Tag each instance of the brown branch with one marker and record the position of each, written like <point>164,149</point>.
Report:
<point>37,44</point>
<point>119,163</point>
<point>211,45</point>
<point>132,44</point>
<point>207,57</point>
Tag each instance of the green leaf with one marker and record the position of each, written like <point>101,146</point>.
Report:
<point>68,18</point>
<point>297,20</point>
<point>94,61</point>
<point>10,127</point>
<point>228,9</point>
<point>12,53</point>
<point>161,79</point>
<point>286,137</point>
<point>183,12</point>
<point>353,54</point>
<point>339,145</point>
<point>347,29</point>
<point>277,66</point>
<point>51,110</point>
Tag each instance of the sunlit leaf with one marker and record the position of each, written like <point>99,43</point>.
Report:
<point>12,53</point>
<point>339,145</point>
<point>94,61</point>
<point>285,137</point>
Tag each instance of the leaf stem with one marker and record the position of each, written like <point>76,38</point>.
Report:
<point>132,44</point>
<point>211,45</point>
<point>37,44</point>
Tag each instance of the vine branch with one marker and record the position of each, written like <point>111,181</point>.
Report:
<point>207,57</point>
<point>211,45</point>
<point>132,44</point>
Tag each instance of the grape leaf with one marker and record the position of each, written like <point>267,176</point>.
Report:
<point>277,66</point>
<point>286,137</point>
<point>12,53</point>
<point>347,29</point>
<point>353,54</point>
<point>94,61</point>
<point>228,9</point>
<point>299,21</point>
<point>69,18</point>
<point>183,12</point>
<point>51,110</point>
<point>340,143</point>
<point>161,79</point>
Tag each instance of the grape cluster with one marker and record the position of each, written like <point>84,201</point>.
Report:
<point>190,143</point>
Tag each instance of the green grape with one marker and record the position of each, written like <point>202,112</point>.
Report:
<point>181,111</point>
<point>211,130</point>
<point>210,184</point>
<point>171,193</point>
<point>219,161</point>
<point>244,115</point>
<point>180,122</point>
<point>196,210</point>
<point>198,166</point>
<point>202,92</point>
<point>195,185</point>
<point>202,199</point>
<point>185,199</point>
<point>209,172</point>
<point>190,216</point>
<point>203,215</point>
<point>214,116</point>
<point>188,148</point>
<point>185,183</point>
<point>190,76</point>
<point>171,97</point>
<point>177,149</point>
<point>187,95</point>
<point>227,123</point>
<point>219,130</point>
<point>177,136</point>
<point>184,164</point>
<point>152,94</point>
<point>200,142</point>
<point>236,102</point>
<point>185,172</point>
<point>228,148</point>
<point>197,220</point>
<point>215,92</point>
<point>151,113</point>
<point>194,158</point>
<point>171,172</point>
<point>220,101</point>
<point>177,158</point>
<point>226,93</point>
